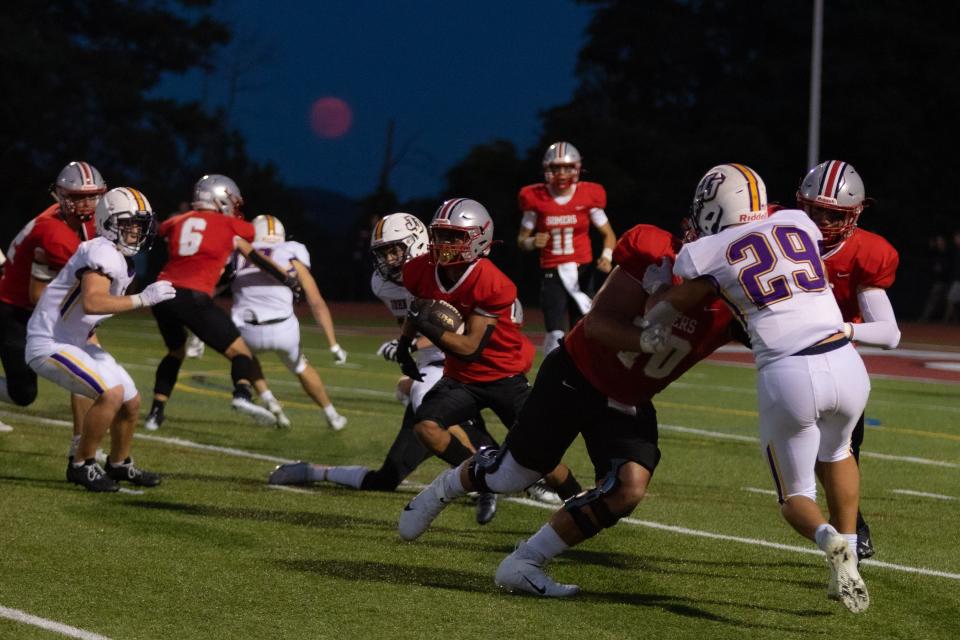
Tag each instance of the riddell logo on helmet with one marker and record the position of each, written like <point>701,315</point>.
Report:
<point>753,216</point>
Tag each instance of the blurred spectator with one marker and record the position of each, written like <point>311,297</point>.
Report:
<point>939,271</point>
<point>953,294</point>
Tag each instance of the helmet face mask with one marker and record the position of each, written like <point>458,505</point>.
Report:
<point>461,232</point>
<point>727,195</point>
<point>78,190</point>
<point>215,192</point>
<point>833,195</point>
<point>561,165</point>
<point>124,217</point>
<point>396,239</point>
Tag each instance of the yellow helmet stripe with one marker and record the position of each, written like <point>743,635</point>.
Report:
<point>141,203</point>
<point>271,226</point>
<point>378,229</point>
<point>752,185</point>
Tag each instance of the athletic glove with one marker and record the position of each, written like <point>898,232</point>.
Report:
<point>653,338</point>
<point>388,350</point>
<point>339,355</point>
<point>154,293</point>
<point>657,277</point>
<point>408,365</point>
<point>292,282</point>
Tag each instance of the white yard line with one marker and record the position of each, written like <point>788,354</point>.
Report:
<point>767,492</point>
<point>922,494</point>
<point>63,629</point>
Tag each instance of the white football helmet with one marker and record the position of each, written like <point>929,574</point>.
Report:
<point>461,232</point>
<point>397,238</point>
<point>561,165</point>
<point>833,195</point>
<point>727,195</point>
<point>78,189</point>
<point>267,228</point>
<point>215,192</point>
<point>124,216</point>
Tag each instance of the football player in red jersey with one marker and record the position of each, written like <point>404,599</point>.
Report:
<point>199,242</point>
<point>485,366</point>
<point>599,384</point>
<point>861,266</point>
<point>35,256</point>
<point>556,221</point>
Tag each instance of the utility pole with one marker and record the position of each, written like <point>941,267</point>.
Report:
<point>816,64</point>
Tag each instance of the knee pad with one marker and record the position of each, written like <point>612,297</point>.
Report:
<point>242,368</point>
<point>167,372</point>
<point>592,501</point>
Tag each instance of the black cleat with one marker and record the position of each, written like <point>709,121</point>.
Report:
<point>864,543</point>
<point>486,507</point>
<point>91,476</point>
<point>154,419</point>
<point>125,471</point>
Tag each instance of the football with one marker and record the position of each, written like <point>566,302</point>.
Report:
<point>440,313</point>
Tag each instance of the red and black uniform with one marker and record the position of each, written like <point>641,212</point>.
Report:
<point>569,227</point>
<point>199,243</point>
<point>586,388</point>
<point>41,249</point>
<point>496,378</point>
<point>862,261</point>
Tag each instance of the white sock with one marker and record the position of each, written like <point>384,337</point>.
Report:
<point>851,542</point>
<point>546,544</point>
<point>331,411</point>
<point>74,444</point>
<point>451,483</point>
<point>551,340</point>
<point>4,396</point>
<point>351,476</point>
<point>823,532</point>
<point>267,396</point>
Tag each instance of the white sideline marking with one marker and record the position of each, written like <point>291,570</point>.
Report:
<point>133,492</point>
<point>922,494</point>
<point>63,629</point>
<point>283,487</point>
<point>769,492</point>
<point>189,444</point>
<point>752,541</point>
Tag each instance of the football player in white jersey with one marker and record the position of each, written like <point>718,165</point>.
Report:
<point>88,290</point>
<point>397,238</point>
<point>812,385</point>
<point>263,312</point>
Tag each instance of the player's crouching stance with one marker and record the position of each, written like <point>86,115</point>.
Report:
<point>87,291</point>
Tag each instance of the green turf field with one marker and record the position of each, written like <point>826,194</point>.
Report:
<point>216,553</point>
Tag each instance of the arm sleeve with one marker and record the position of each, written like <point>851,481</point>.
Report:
<point>529,220</point>
<point>879,327</point>
<point>598,217</point>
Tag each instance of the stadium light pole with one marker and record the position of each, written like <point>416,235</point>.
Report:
<point>816,56</point>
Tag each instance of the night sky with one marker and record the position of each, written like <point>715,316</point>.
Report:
<point>453,74</point>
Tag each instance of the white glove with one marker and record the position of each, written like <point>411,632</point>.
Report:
<point>654,338</point>
<point>388,350</point>
<point>154,293</point>
<point>339,355</point>
<point>657,277</point>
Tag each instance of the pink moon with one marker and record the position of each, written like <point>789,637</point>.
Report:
<point>330,117</point>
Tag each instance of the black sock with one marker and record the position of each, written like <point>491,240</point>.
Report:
<point>861,523</point>
<point>569,487</point>
<point>455,453</point>
<point>167,372</point>
<point>242,368</point>
<point>157,407</point>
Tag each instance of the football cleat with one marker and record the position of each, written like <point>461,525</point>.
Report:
<point>520,571</point>
<point>424,508</point>
<point>291,473</point>
<point>864,542</point>
<point>242,403</point>
<point>91,476</point>
<point>125,471</point>
<point>195,347</point>
<point>337,422</point>
<point>845,583</point>
<point>486,507</point>
<point>282,420</point>
<point>540,492</point>
<point>4,427</point>
<point>153,421</point>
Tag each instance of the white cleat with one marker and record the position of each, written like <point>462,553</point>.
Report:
<point>540,492</point>
<point>291,473</point>
<point>4,427</point>
<point>424,508</point>
<point>260,415</point>
<point>845,583</point>
<point>151,423</point>
<point>520,571</point>
<point>337,423</point>
<point>195,347</point>
<point>282,420</point>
